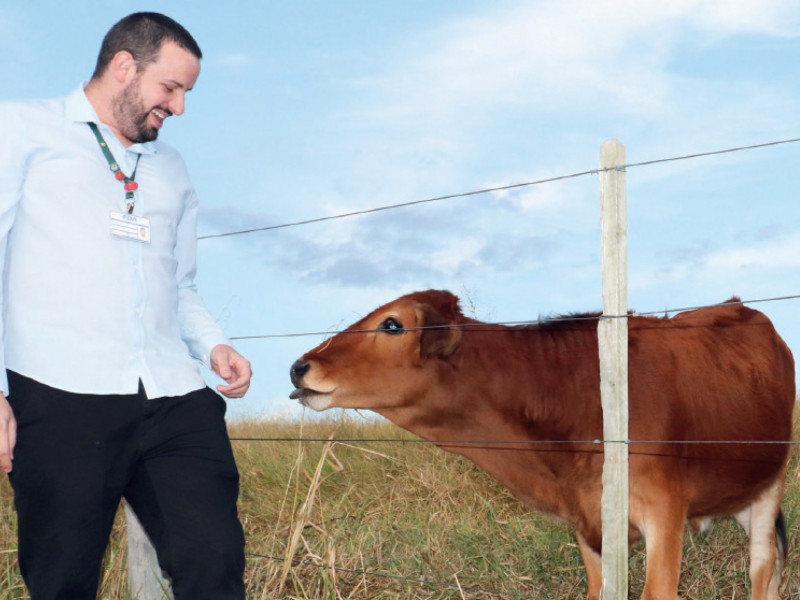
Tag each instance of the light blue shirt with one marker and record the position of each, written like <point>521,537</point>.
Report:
<point>85,311</point>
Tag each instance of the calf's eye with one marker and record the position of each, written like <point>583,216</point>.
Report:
<point>391,326</point>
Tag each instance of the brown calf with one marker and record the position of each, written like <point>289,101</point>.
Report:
<point>713,374</point>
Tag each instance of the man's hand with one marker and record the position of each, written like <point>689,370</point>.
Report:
<point>8,434</point>
<point>233,368</point>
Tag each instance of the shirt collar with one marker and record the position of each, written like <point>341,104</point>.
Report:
<point>80,110</point>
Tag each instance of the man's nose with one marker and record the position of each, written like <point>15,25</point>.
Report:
<point>178,104</point>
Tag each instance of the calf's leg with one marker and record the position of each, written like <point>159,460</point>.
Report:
<point>766,562</point>
<point>593,566</point>
<point>663,532</point>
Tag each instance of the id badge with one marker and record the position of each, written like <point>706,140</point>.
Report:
<point>130,226</point>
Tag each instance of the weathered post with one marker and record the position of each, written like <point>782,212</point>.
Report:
<point>612,334</point>
<point>144,575</point>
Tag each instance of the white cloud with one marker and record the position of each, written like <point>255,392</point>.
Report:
<point>771,17</point>
<point>549,199</point>
<point>772,260</point>
<point>546,56</point>
<point>780,253</point>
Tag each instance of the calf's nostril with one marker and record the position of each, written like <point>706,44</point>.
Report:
<point>299,368</point>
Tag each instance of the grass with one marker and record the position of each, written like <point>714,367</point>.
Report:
<point>406,521</point>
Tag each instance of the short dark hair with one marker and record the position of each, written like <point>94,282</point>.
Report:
<point>142,34</point>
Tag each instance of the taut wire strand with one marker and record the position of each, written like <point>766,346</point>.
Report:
<point>512,186</point>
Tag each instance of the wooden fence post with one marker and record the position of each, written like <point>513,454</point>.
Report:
<point>612,333</point>
<point>144,575</point>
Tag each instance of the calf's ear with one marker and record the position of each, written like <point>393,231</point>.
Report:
<point>440,337</point>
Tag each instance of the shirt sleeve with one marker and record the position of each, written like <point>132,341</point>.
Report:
<point>199,330</point>
<point>12,175</point>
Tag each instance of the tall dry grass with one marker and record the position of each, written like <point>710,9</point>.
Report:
<point>404,520</point>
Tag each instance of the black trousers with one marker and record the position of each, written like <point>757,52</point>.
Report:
<point>77,455</point>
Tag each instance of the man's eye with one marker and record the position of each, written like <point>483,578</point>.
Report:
<point>391,326</point>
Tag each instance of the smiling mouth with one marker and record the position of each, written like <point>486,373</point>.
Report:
<point>160,115</point>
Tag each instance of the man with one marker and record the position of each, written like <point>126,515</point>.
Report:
<point>103,329</point>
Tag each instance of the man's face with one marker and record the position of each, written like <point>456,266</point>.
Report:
<point>155,93</point>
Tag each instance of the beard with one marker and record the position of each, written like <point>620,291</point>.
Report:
<point>131,115</point>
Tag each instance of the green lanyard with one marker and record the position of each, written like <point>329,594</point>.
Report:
<point>129,183</point>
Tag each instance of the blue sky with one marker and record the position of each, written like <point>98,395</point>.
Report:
<point>310,109</point>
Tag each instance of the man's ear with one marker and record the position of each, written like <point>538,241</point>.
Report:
<point>440,337</point>
<point>123,67</point>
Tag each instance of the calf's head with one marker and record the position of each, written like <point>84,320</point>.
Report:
<point>388,359</point>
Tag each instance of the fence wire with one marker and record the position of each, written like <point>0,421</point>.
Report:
<point>501,443</point>
<point>512,186</point>
<point>541,321</point>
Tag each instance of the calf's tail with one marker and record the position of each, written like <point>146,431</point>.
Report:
<point>781,541</point>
